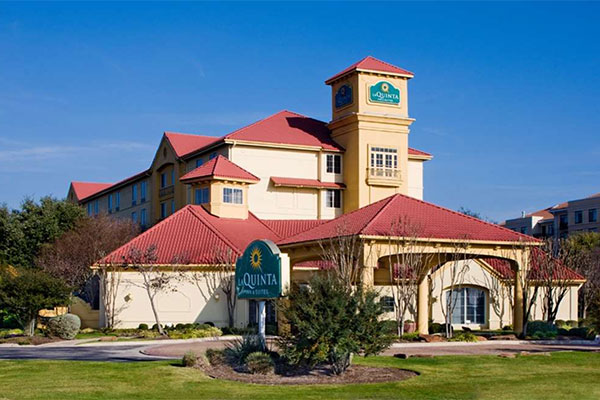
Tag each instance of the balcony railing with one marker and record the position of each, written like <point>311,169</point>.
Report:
<point>384,176</point>
<point>166,191</point>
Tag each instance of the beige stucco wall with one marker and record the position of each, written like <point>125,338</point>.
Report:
<point>184,305</point>
<point>415,179</point>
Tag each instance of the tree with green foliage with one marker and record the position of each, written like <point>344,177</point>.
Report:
<point>24,231</point>
<point>329,322</point>
<point>25,291</point>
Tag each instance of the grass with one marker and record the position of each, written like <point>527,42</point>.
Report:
<point>561,376</point>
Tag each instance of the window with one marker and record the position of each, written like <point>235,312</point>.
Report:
<point>117,201</point>
<point>110,203</point>
<point>212,155</point>
<point>469,306</point>
<point>578,217</point>
<point>163,180</point>
<point>143,220</point>
<point>163,210</point>
<point>333,198</point>
<point>96,207</point>
<point>387,303</point>
<point>384,162</point>
<point>334,164</point>
<point>89,208</point>
<point>134,216</point>
<point>173,176</point>
<point>133,195</point>
<point>172,206</point>
<point>563,221</point>
<point>593,215</point>
<point>231,195</point>
<point>199,162</point>
<point>143,191</point>
<point>202,196</point>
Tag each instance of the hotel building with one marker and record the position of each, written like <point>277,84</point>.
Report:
<point>298,182</point>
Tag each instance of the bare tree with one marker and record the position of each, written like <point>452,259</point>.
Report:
<point>406,263</point>
<point>500,289</point>
<point>220,276</point>
<point>452,276</point>
<point>156,278</point>
<point>343,254</point>
<point>71,256</point>
<point>110,284</point>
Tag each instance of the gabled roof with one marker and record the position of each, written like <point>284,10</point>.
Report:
<point>372,64</point>
<point>305,183</point>
<point>219,167</point>
<point>83,190</point>
<point>185,143</point>
<point>419,153</point>
<point>193,236</point>
<point>432,221</point>
<point>112,186</point>
<point>286,127</point>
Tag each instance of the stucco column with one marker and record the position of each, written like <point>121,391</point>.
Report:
<point>423,306</point>
<point>518,303</point>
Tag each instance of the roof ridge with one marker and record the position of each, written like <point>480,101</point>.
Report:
<point>252,124</point>
<point>386,63</point>
<point>385,206</point>
<point>265,225</point>
<point>205,220</point>
<point>188,134</point>
<point>466,216</point>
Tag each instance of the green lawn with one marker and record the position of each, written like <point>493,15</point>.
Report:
<point>561,376</point>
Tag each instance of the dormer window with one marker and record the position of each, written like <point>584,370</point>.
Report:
<point>233,196</point>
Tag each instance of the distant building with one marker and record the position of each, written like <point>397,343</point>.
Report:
<point>561,220</point>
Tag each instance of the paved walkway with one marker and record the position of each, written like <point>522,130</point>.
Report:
<point>171,349</point>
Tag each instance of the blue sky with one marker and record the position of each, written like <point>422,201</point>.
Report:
<point>506,96</point>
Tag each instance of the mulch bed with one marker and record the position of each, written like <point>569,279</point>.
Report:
<point>26,340</point>
<point>354,374</point>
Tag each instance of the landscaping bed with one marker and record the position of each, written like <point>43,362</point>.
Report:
<point>321,375</point>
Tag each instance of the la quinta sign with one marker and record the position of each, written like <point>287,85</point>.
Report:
<point>260,272</point>
<point>384,92</point>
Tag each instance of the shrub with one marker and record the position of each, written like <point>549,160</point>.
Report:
<point>259,363</point>
<point>209,323</point>
<point>575,324</point>
<point>227,330</point>
<point>561,323</point>
<point>507,328</point>
<point>410,337</point>
<point>329,322</point>
<point>190,359</point>
<point>237,351</point>
<point>64,326</point>
<point>215,357</point>
<point>463,337</point>
<point>583,333</point>
<point>563,332</point>
<point>541,327</point>
<point>155,327</point>
<point>143,327</point>
<point>434,327</point>
<point>195,333</point>
<point>4,333</point>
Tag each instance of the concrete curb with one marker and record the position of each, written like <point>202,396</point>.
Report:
<point>496,342</point>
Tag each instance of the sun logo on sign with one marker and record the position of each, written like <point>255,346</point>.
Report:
<point>385,87</point>
<point>256,258</point>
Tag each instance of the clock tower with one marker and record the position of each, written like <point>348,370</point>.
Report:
<point>370,120</point>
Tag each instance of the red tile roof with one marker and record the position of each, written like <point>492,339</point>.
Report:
<point>185,143</point>
<point>219,167</point>
<point>83,190</point>
<point>289,227</point>
<point>502,267</point>
<point>415,152</point>
<point>377,219</point>
<point>545,214</point>
<point>193,236</point>
<point>286,127</point>
<point>305,183</point>
<point>372,64</point>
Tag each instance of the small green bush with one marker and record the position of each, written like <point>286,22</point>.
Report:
<point>64,326</point>
<point>434,327</point>
<point>143,327</point>
<point>259,363</point>
<point>561,323</point>
<point>216,357</point>
<point>4,333</point>
<point>463,337</point>
<point>541,327</point>
<point>410,337</point>
<point>507,328</point>
<point>193,333</point>
<point>155,327</point>
<point>584,333</point>
<point>576,324</point>
<point>189,359</point>
<point>563,331</point>
<point>237,351</point>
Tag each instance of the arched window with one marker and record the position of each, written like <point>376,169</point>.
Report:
<point>469,306</point>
